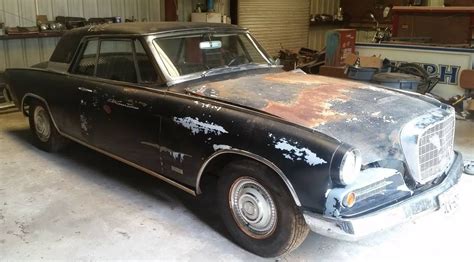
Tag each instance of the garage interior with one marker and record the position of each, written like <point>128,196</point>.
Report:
<point>82,205</point>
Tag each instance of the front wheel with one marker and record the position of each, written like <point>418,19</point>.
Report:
<point>258,210</point>
<point>44,132</point>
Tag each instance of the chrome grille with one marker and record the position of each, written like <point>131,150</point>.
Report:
<point>435,148</point>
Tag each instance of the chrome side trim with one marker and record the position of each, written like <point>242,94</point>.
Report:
<point>253,156</point>
<point>150,172</point>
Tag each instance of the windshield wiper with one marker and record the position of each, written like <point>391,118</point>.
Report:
<point>227,68</point>
<point>215,70</point>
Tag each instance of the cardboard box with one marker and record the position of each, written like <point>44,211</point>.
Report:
<point>206,17</point>
<point>333,71</point>
<point>365,61</point>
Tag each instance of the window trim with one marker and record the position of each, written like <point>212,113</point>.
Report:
<point>170,80</point>
<point>77,58</point>
<point>130,41</point>
<point>160,79</point>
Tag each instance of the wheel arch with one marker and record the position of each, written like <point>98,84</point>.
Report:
<point>26,101</point>
<point>217,156</point>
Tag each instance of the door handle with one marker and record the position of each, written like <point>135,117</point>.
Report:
<point>83,89</point>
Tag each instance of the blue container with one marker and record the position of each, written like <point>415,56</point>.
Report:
<point>398,81</point>
<point>361,73</point>
<point>210,5</point>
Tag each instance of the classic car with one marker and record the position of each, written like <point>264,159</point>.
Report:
<point>292,152</point>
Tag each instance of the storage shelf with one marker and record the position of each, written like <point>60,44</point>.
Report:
<point>35,35</point>
<point>327,23</point>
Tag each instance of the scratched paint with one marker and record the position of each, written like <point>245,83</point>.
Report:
<point>84,123</point>
<point>197,126</point>
<point>366,186</point>
<point>209,106</point>
<point>128,104</point>
<point>176,155</point>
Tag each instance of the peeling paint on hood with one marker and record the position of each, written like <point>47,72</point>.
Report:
<point>367,117</point>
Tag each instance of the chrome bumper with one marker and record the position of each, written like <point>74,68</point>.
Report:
<point>359,227</point>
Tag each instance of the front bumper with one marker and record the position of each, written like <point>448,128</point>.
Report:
<point>359,227</point>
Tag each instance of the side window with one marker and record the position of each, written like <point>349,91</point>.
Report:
<point>86,64</point>
<point>116,61</point>
<point>145,67</point>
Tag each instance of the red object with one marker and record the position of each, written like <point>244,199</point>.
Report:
<point>170,10</point>
<point>346,46</point>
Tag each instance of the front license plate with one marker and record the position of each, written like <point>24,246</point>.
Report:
<point>448,201</point>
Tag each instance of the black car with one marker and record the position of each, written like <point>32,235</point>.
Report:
<point>292,152</point>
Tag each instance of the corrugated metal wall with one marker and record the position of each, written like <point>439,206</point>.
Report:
<point>26,52</point>
<point>317,34</point>
<point>276,22</point>
<point>435,2</point>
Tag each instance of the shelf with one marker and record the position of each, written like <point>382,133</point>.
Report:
<point>31,35</point>
<point>327,23</point>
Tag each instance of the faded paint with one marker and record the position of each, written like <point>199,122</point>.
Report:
<point>295,153</point>
<point>367,182</point>
<point>206,105</point>
<point>221,147</point>
<point>84,123</point>
<point>176,155</point>
<point>367,117</point>
<point>197,126</point>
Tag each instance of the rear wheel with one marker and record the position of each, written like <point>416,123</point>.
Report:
<point>46,136</point>
<point>258,210</point>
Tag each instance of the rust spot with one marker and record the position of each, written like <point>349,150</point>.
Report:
<point>107,109</point>
<point>312,107</point>
<point>296,97</point>
<point>305,79</point>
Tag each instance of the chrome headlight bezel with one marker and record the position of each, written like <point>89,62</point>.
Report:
<point>350,167</point>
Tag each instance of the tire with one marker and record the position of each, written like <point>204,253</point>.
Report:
<point>271,229</point>
<point>44,132</point>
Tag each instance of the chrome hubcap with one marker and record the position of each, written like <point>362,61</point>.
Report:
<point>42,125</point>
<point>253,208</point>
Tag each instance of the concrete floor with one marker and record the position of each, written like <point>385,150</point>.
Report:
<point>78,204</point>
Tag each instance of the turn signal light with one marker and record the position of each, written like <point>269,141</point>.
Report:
<point>350,199</point>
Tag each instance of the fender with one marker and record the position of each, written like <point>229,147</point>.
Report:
<point>252,156</point>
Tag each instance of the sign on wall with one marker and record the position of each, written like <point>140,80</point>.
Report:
<point>444,63</point>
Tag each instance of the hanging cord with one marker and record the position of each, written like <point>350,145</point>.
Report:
<point>19,16</point>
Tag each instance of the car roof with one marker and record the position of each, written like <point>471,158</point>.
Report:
<point>146,28</point>
<point>69,42</point>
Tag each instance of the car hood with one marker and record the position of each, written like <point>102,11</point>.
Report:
<point>367,117</point>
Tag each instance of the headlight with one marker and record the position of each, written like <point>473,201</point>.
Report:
<point>350,167</point>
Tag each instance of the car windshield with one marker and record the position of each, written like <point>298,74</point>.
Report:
<point>204,54</point>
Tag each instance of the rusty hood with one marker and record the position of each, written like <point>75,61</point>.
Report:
<point>367,117</point>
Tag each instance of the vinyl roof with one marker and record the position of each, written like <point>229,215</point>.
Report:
<point>69,42</point>
<point>140,28</point>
